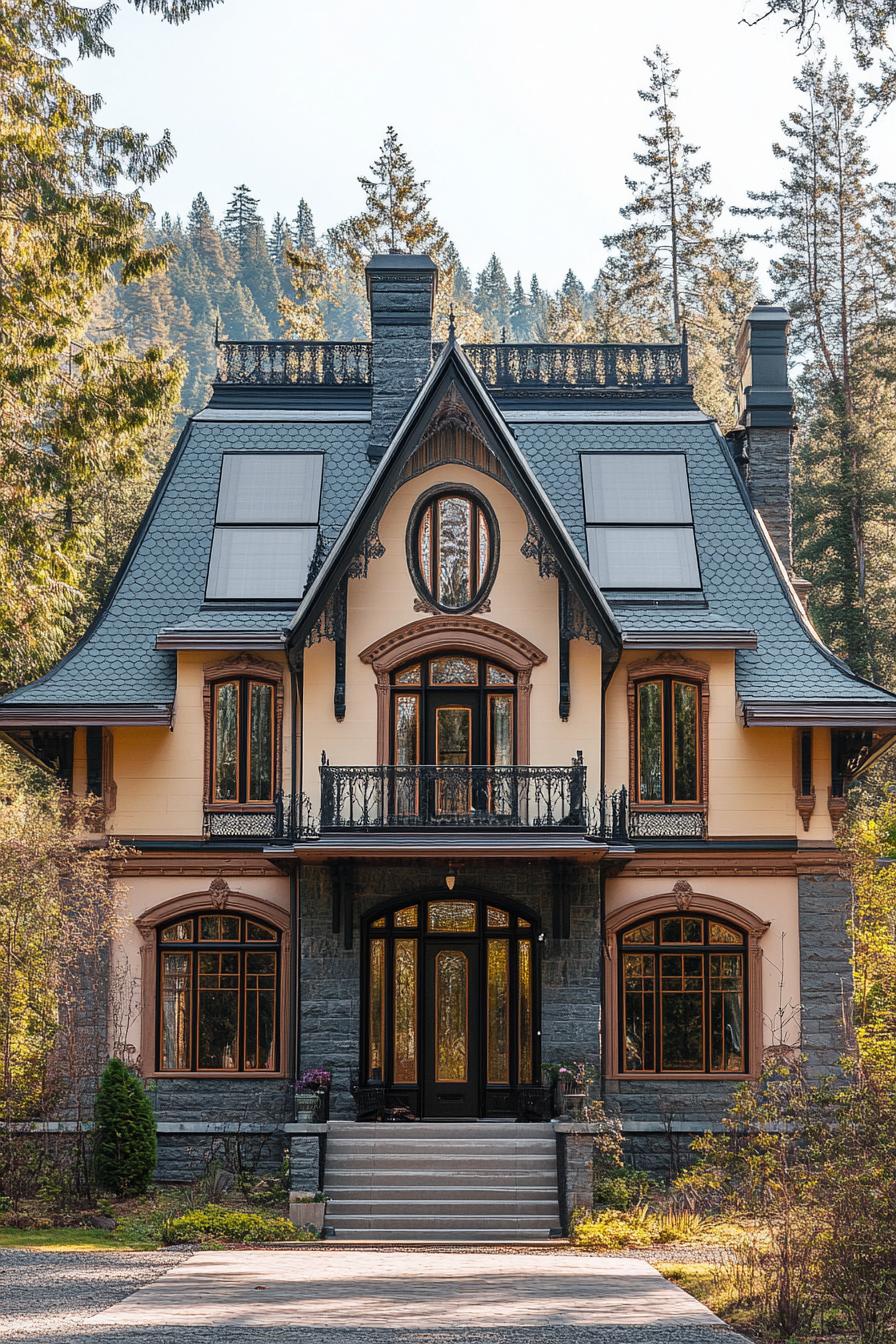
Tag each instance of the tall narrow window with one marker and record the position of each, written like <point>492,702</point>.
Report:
<point>218,995</point>
<point>682,996</point>
<point>668,741</point>
<point>243,741</point>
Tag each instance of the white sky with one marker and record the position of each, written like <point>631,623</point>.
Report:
<point>523,114</point>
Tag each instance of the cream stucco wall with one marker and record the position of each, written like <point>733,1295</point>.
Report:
<point>751,770</point>
<point>771,899</point>
<point>384,601</point>
<point>159,771</point>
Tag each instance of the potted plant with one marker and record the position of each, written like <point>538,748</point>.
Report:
<point>308,1210</point>
<point>313,1095</point>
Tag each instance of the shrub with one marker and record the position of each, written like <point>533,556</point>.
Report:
<point>620,1188</point>
<point>615,1230</point>
<point>215,1223</point>
<point>124,1149</point>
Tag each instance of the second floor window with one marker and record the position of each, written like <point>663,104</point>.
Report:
<point>242,741</point>
<point>667,742</point>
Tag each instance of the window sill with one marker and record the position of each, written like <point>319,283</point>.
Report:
<point>196,1075</point>
<point>619,1077</point>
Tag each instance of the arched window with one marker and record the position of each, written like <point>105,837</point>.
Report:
<point>452,548</point>
<point>218,994</point>
<point>683,988</point>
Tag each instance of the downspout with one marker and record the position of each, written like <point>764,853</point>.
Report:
<point>295,813</point>
<point>601,909</point>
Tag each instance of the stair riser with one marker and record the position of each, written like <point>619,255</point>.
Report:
<point>337,1209</point>
<point>473,1132</point>
<point>429,1188</point>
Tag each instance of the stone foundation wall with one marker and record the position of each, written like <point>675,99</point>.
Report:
<point>825,905</point>
<point>330,973</point>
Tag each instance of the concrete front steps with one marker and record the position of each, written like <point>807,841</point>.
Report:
<point>489,1181</point>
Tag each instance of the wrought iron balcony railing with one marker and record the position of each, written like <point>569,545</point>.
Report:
<point>666,825</point>
<point>308,363</point>
<point>505,367</point>
<point>460,797</point>
<point>290,818</point>
<point>512,367</point>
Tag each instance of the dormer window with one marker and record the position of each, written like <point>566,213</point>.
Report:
<point>452,548</point>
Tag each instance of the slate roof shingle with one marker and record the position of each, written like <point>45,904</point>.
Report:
<point>163,584</point>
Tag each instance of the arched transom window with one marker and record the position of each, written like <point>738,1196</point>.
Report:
<point>682,988</point>
<point>452,548</point>
<point>218,994</point>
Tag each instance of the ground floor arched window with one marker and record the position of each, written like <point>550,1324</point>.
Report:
<point>218,994</point>
<point>683,988</point>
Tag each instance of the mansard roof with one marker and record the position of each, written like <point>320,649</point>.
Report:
<point>123,669</point>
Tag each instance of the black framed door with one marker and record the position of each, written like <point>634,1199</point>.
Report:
<point>450,989</point>
<point>451,1007</point>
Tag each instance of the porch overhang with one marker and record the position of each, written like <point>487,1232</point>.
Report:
<point>454,846</point>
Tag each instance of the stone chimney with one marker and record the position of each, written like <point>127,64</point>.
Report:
<point>765,427</point>
<point>401,290</point>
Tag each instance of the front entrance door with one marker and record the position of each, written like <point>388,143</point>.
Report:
<point>451,1030</point>
<point>451,1013</point>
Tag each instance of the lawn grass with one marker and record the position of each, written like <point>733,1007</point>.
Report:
<point>130,1235</point>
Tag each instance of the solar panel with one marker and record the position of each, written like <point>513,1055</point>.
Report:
<point>269,488</point>
<point>635,488</point>
<point>643,557</point>
<point>264,563</point>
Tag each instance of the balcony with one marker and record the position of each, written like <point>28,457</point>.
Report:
<point>408,797</point>
<point>378,799</point>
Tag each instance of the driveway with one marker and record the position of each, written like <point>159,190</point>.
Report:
<point>318,1295</point>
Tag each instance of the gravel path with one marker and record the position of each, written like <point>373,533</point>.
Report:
<point>48,1296</point>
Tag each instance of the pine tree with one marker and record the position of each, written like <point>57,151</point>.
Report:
<point>868,23</point>
<point>241,221</point>
<point>71,408</point>
<point>493,297</point>
<point>396,216</point>
<point>124,1138</point>
<point>832,228</point>
<point>520,311</point>
<point>665,267</point>
<point>279,239</point>
<point>304,234</point>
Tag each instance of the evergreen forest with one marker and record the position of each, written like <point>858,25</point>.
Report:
<point>107,376</point>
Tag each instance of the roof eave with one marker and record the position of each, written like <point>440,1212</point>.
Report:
<point>818,714</point>
<point>77,716</point>
<point>690,639</point>
<point>219,639</point>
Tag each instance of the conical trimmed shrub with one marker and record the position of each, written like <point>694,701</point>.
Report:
<point>124,1140</point>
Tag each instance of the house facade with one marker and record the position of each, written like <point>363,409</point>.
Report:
<point>460,713</point>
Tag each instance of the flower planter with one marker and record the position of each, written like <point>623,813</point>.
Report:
<point>307,1212</point>
<point>308,1107</point>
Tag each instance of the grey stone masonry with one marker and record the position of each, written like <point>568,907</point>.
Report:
<point>825,908</point>
<point>330,973</point>
<point>306,1161</point>
<point>766,414</point>
<point>401,290</point>
<point>575,1168</point>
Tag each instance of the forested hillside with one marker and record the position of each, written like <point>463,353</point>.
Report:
<point>106,380</point>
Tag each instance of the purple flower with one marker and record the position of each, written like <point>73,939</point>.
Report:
<point>314,1080</point>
